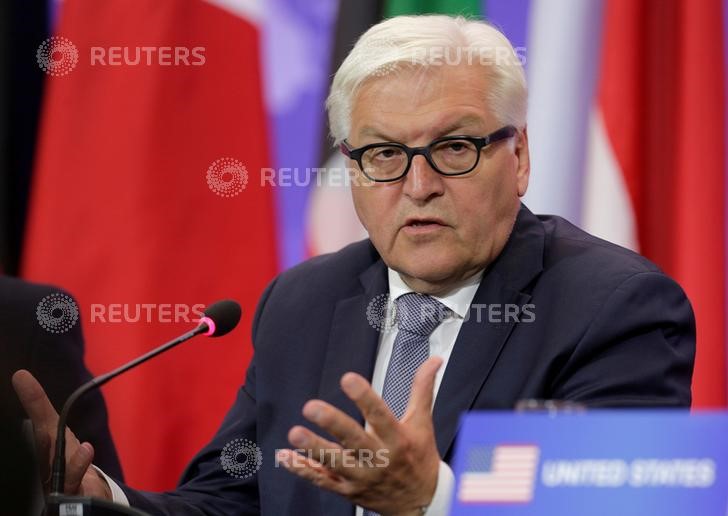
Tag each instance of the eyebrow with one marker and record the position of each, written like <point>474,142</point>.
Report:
<point>450,128</point>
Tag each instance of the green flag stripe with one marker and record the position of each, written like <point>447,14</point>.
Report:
<point>470,8</point>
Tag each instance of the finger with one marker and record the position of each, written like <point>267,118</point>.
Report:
<point>76,467</point>
<point>419,409</point>
<point>34,400</point>
<point>372,406</point>
<point>314,445</point>
<point>310,470</point>
<point>344,428</point>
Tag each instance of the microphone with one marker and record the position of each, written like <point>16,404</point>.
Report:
<point>218,319</point>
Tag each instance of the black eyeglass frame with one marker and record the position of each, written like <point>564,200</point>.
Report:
<point>480,142</point>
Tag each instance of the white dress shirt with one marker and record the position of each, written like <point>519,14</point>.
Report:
<point>442,341</point>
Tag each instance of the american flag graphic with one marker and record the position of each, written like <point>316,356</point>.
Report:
<point>500,474</point>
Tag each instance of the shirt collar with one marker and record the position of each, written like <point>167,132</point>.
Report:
<point>457,299</point>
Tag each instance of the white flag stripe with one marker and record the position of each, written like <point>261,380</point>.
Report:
<point>563,60</point>
<point>495,497</point>
<point>513,462</point>
<point>608,210</point>
<point>505,489</point>
<point>500,492</point>
<point>505,482</point>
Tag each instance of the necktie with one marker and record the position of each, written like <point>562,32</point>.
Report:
<point>417,317</point>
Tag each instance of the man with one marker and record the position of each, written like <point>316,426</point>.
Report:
<point>492,304</point>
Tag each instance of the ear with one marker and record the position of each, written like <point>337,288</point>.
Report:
<point>523,171</point>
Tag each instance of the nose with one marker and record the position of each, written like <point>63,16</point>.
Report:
<point>422,182</point>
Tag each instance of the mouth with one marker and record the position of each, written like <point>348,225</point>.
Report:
<point>422,225</point>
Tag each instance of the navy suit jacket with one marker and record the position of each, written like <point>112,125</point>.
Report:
<point>610,330</point>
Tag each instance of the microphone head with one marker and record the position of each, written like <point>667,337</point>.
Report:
<point>221,317</point>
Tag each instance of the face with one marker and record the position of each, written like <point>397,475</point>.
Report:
<point>437,231</point>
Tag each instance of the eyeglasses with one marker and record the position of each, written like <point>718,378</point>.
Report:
<point>450,156</point>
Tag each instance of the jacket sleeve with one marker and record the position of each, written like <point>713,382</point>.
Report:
<point>638,351</point>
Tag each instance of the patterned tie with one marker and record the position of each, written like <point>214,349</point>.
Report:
<point>417,317</point>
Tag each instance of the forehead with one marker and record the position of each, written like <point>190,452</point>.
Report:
<point>420,103</point>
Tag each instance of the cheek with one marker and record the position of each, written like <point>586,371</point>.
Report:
<point>374,206</point>
<point>484,205</point>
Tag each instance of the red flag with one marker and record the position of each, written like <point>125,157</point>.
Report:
<point>662,98</point>
<point>122,214</point>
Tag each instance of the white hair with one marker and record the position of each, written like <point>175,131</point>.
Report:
<point>426,41</point>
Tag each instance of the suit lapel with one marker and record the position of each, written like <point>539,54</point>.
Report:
<point>352,346</point>
<point>480,342</point>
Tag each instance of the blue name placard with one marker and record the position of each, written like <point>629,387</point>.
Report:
<point>666,463</point>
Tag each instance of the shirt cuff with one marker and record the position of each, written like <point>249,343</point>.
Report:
<point>117,494</point>
<point>440,504</point>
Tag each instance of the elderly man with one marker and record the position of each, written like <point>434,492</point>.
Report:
<point>485,301</point>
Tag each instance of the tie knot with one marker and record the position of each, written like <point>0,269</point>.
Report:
<point>419,314</point>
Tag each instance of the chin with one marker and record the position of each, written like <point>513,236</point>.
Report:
<point>431,268</point>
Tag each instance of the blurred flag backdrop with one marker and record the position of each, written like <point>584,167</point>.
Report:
<point>626,124</point>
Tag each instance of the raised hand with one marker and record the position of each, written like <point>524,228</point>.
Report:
<point>81,478</point>
<point>390,468</point>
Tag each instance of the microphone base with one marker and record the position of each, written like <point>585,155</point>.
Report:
<point>63,505</point>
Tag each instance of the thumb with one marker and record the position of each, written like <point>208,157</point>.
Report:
<point>420,404</point>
